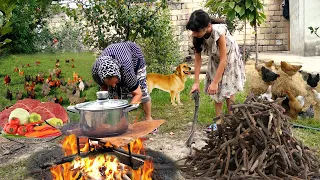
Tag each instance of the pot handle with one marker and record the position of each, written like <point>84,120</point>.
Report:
<point>131,107</point>
<point>73,109</point>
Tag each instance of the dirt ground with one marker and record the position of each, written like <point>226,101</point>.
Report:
<point>164,148</point>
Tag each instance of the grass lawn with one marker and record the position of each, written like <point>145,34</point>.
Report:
<point>177,117</point>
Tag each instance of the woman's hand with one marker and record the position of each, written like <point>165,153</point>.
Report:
<point>137,95</point>
<point>195,87</point>
<point>213,88</point>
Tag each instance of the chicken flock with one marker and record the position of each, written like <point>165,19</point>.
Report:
<point>73,86</point>
<point>293,105</point>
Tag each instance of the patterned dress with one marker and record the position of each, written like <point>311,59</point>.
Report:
<point>233,77</point>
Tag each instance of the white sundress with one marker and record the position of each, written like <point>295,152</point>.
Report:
<point>233,77</point>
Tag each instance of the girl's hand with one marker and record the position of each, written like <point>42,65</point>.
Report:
<point>213,88</point>
<point>195,87</point>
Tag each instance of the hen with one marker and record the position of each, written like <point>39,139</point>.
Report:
<point>266,64</point>
<point>316,96</point>
<point>289,69</point>
<point>267,95</point>
<point>294,105</point>
<point>309,113</point>
<point>313,81</point>
<point>268,75</point>
<point>7,80</point>
<point>81,85</point>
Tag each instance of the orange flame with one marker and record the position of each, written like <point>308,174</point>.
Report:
<point>102,166</point>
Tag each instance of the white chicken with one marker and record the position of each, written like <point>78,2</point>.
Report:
<point>301,100</point>
<point>316,96</point>
<point>81,85</point>
<point>267,95</point>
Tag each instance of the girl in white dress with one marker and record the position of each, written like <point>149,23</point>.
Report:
<point>225,74</point>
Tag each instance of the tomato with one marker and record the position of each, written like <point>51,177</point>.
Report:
<point>11,129</point>
<point>22,130</point>
<point>14,121</point>
<point>30,128</point>
<point>5,127</point>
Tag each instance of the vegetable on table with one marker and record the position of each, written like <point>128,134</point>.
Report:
<point>11,129</point>
<point>21,114</point>
<point>41,133</point>
<point>22,130</point>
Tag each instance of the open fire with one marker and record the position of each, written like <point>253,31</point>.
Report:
<point>99,166</point>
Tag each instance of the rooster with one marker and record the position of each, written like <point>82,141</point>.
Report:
<point>7,80</point>
<point>9,95</point>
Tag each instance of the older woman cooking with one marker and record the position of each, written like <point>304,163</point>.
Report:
<point>121,70</point>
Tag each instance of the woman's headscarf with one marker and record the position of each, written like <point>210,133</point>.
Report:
<point>103,67</point>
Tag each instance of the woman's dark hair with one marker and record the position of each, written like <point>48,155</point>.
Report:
<point>198,20</point>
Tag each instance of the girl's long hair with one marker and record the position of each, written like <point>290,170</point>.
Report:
<point>198,20</point>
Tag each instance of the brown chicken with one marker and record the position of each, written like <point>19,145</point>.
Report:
<point>39,79</point>
<point>7,80</point>
<point>31,94</point>
<point>19,95</point>
<point>289,69</point>
<point>58,72</point>
<point>58,83</point>
<point>21,73</point>
<point>267,65</point>
<point>72,66</point>
<point>37,62</point>
<point>16,69</point>
<point>28,65</point>
<point>59,100</point>
<point>57,64</point>
<point>294,105</point>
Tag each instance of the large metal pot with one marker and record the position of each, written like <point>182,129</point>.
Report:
<point>103,117</point>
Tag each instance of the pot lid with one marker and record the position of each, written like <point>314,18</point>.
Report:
<point>102,105</point>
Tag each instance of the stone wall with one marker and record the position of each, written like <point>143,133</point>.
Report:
<point>272,36</point>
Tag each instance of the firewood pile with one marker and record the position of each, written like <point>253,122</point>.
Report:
<point>255,142</point>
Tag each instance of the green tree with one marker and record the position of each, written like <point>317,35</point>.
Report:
<point>145,22</point>
<point>28,18</point>
<point>6,8</point>
<point>246,10</point>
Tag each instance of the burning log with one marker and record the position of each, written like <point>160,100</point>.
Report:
<point>255,142</point>
<point>135,160</point>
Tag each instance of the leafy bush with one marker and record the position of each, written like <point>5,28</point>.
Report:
<point>161,49</point>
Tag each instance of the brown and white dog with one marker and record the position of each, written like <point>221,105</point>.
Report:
<point>172,83</point>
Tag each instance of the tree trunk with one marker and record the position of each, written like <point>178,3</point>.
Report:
<point>244,42</point>
<point>256,41</point>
